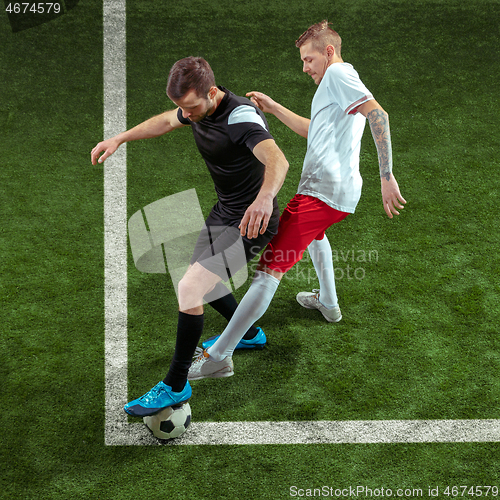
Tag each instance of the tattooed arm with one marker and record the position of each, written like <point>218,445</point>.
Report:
<point>379,125</point>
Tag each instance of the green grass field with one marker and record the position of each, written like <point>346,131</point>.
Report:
<point>419,338</point>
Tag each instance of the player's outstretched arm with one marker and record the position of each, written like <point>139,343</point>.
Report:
<point>154,127</point>
<point>379,125</point>
<point>298,124</point>
<point>257,215</point>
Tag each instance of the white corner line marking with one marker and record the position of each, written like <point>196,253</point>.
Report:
<point>117,429</point>
<point>115,220</point>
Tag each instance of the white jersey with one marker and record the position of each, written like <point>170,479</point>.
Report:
<point>331,165</point>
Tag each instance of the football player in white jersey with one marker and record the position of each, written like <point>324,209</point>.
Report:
<point>329,189</point>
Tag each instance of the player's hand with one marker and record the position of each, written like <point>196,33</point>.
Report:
<point>262,101</point>
<point>109,146</point>
<point>391,196</point>
<point>256,217</point>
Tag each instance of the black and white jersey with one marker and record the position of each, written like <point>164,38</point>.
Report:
<point>226,140</point>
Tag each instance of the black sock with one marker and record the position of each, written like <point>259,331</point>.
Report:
<point>189,330</point>
<point>226,306</point>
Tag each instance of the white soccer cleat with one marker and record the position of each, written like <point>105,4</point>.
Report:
<point>310,300</point>
<point>205,367</point>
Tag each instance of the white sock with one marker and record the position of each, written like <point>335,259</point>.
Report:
<point>321,255</point>
<point>252,306</point>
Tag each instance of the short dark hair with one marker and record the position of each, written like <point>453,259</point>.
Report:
<point>321,35</point>
<point>190,73</point>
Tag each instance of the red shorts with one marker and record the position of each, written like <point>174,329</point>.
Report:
<point>304,219</point>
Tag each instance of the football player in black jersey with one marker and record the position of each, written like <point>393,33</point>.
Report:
<point>248,169</point>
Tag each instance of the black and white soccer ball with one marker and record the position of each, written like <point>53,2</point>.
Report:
<point>170,422</point>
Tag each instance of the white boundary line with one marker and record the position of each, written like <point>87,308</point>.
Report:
<point>117,430</point>
<point>317,432</point>
<point>115,219</point>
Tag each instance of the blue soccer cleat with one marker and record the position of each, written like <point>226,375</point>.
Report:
<point>258,342</point>
<point>158,398</point>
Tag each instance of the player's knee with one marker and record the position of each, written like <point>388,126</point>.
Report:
<point>264,287</point>
<point>189,294</point>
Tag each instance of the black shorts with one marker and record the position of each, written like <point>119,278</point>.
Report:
<point>223,251</point>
